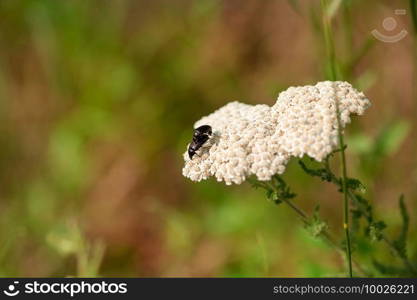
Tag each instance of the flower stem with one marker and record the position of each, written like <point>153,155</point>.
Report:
<point>304,218</point>
<point>345,199</point>
<point>284,194</point>
<point>405,260</point>
<point>389,243</point>
<point>329,43</point>
<point>331,57</point>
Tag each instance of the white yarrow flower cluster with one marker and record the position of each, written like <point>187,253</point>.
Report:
<point>260,139</point>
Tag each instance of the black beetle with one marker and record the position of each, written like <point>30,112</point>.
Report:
<point>200,136</point>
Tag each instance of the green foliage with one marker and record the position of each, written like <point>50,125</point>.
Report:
<point>323,173</point>
<point>389,269</point>
<point>316,226</point>
<point>387,142</point>
<point>364,209</point>
<point>97,100</point>
<point>333,8</point>
<point>282,190</point>
<point>390,138</point>
<point>354,184</point>
<point>400,243</point>
<point>373,228</point>
<point>68,241</point>
<point>398,246</point>
<point>277,190</point>
<point>373,151</point>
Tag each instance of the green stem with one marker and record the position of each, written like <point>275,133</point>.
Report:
<point>388,242</point>
<point>327,236</point>
<point>405,260</point>
<point>328,41</point>
<point>344,190</point>
<point>276,184</point>
<point>331,56</point>
<point>330,177</point>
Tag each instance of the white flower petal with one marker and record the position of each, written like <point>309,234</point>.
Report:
<point>260,140</point>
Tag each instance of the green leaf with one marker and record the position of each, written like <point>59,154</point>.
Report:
<point>391,137</point>
<point>276,190</point>
<point>388,141</point>
<point>388,269</point>
<point>360,143</point>
<point>316,226</point>
<point>333,8</point>
<point>401,242</point>
<point>256,183</point>
<point>367,79</point>
<point>375,229</point>
<point>273,196</point>
<point>323,173</point>
<point>354,184</point>
<point>282,190</point>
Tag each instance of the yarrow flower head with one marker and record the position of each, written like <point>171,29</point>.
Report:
<point>260,139</point>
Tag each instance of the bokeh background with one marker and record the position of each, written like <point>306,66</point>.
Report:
<point>97,104</point>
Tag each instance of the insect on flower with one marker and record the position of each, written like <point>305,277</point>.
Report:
<point>260,139</point>
<point>200,136</point>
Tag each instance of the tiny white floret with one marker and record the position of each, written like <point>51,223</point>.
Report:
<point>260,140</point>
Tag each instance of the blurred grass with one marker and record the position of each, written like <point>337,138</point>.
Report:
<point>97,102</point>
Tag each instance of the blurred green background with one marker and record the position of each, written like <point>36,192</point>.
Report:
<point>97,104</point>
